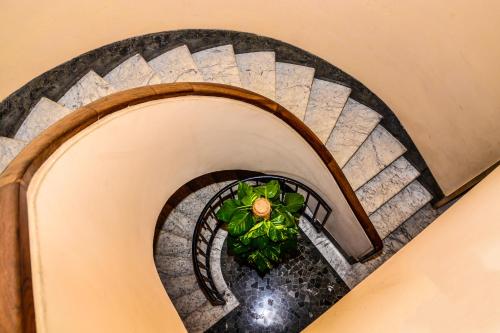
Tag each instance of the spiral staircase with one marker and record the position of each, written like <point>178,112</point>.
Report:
<point>372,160</point>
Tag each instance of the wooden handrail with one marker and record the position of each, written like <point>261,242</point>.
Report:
<point>16,303</point>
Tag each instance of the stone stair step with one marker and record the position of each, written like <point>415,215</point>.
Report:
<point>218,65</point>
<point>133,72</point>
<point>174,266</point>
<point>378,151</point>
<point>179,224</point>
<point>89,88</point>
<point>179,286</point>
<point>176,65</point>
<point>386,184</point>
<point>9,148</point>
<point>293,86</point>
<point>353,126</point>
<point>401,207</point>
<point>191,206</point>
<point>44,113</point>
<point>173,245</point>
<point>189,303</point>
<point>326,101</point>
<point>258,72</point>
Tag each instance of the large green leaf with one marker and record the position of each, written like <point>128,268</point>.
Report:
<point>279,219</point>
<point>240,222</point>
<point>227,209</point>
<point>236,247</point>
<point>260,261</point>
<point>294,202</point>
<point>249,199</point>
<point>260,229</point>
<point>269,190</point>
<point>260,242</point>
<point>277,233</point>
<point>272,252</point>
<point>243,190</point>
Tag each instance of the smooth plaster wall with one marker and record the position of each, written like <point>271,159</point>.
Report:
<point>435,63</point>
<point>447,279</point>
<point>92,257</point>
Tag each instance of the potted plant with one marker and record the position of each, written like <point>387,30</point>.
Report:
<point>262,224</point>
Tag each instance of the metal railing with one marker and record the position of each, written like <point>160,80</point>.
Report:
<point>316,211</point>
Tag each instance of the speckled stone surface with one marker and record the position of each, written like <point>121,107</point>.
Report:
<point>386,184</point>
<point>133,72</point>
<point>324,107</point>
<point>258,72</point>
<point>9,148</point>
<point>286,299</point>
<point>176,65</point>
<point>399,208</point>
<point>378,151</point>
<point>89,88</point>
<point>293,86</point>
<point>218,65</point>
<point>44,114</point>
<point>353,126</point>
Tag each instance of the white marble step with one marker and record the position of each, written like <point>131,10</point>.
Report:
<point>258,72</point>
<point>180,285</point>
<point>378,151</point>
<point>353,126</point>
<point>401,207</point>
<point>386,184</point>
<point>89,88</point>
<point>9,148</point>
<point>44,113</point>
<point>293,86</point>
<point>207,315</point>
<point>326,101</point>
<point>176,65</point>
<point>218,65</point>
<point>173,245</point>
<point>133,72</point>
<point>174,266</point>
<point>190,302</point>
<point>191,206</point>
<point>179,224</point>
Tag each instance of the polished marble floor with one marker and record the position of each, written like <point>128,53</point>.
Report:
<point>286,299</point>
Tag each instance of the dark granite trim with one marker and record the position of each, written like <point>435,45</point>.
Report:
<point>55,82</point>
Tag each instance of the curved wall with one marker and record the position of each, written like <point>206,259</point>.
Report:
<point>434,63</point>
<point>114,178</point>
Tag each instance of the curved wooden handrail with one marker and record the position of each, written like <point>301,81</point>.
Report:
<point>16,304</point>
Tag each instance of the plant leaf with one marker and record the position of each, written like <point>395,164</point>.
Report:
<point>260,242</point>
<point>277,233</point>
<point>236,247</point>
<point>249,198</point>
<point>240,222</point>
<point>260,261</point>
<point>227,209</point>
<point>294,202</point>
<point>243,190</point>
<point>272,252</point>
<point>260,229</point>
<point>269,190</point>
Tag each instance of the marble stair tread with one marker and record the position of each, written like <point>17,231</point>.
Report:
<point>173,245</point>
<point>176,65</point>
<point>218,65</point>
<point>353,126</point>
<point>44,113</point>
<point>326,102</point>
<point>207,315</point>
<point>179,286</point>
<point>401,207</point>
<point>386,184</point>
<point>133,72</point>
<point>258,72</point>
<point>293,86</point>
<point>191,206</point>
<point>9,148</point>
<point>174,266</point>
<point>206,193</point>
<point>189,303</point>
<point>179,224</point>
<point>378,151</point>
<point>89,88</point>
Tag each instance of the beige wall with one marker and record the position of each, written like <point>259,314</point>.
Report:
<point>445,280</point>
<point>435,63</point>
<point>92,257</point>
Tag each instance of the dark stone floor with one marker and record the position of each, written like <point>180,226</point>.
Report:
<point>286,299</point>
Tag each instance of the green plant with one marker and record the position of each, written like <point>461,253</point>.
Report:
<point>262,228</point>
